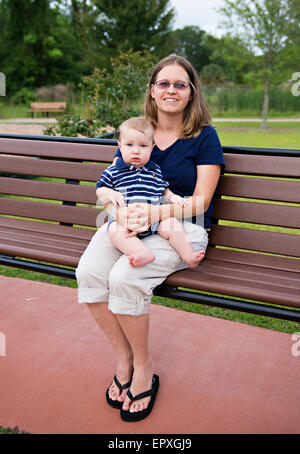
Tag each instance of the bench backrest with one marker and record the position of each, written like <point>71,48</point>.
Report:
<point>256,204</point>
<point>77,164</point>
<point>258,208</point>
<point>48,105</point>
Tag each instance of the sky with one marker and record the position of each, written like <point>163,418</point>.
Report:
<point>198,12</point>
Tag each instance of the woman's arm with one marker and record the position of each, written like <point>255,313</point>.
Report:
<point>207,180</point>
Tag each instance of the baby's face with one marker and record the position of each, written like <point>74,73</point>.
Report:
<point>135,147</point>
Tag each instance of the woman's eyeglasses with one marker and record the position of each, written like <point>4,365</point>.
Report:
<point>178,85</point>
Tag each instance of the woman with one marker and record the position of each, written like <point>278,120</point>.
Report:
<point>190,156</point>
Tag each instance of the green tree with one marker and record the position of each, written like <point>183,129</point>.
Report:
<point>37,46</point>
<point>233,56</point>
<point>135,24</point>
<point>262,25</point>
<point>109,96</point>
<point>29,44</point>
<point>192,43</point>
<point>212,74</point>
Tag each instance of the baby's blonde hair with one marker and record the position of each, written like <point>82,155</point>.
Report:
<point>141,124</point>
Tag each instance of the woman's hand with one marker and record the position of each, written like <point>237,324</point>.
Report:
<point>141,216</point>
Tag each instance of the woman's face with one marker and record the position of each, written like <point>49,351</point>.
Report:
<point>171,99</point>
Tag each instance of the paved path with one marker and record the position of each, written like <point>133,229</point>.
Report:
<point>217,376</point>
<point>30,121</point>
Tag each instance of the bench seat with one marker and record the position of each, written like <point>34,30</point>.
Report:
<point>241,274</point>
<point>54,243</point>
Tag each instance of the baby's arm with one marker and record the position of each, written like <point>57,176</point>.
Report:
<point>107,195</point>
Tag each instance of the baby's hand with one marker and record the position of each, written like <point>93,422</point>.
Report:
<point>177,200</point>
<point>117,199</point>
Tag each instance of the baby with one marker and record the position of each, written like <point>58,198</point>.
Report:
<point>135,178</point>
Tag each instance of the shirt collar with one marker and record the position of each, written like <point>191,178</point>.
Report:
<point>121,165</point>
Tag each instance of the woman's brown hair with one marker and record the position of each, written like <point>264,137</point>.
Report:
<point>196,114</point>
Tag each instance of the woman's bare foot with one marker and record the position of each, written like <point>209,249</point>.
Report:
<point>124,374</point>
<point>141,382</point>
<point>141,258</point>
<point>194,260</point>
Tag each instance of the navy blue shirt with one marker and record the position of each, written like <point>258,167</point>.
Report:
<point>178,162</point>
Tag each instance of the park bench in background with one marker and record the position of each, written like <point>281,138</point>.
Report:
<point>260,188</point>
<point>47,107</point>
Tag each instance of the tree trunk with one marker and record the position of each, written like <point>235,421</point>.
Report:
<point>266,105</point>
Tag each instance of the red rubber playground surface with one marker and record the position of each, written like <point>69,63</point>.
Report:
<point>216,376</point>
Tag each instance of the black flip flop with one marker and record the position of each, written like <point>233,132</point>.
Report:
<point>115,403</point>
<point>138,416</point>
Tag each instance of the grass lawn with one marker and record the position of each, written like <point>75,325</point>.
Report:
<point>250,134</point>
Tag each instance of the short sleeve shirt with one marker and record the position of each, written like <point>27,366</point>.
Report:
<point>145,184</point>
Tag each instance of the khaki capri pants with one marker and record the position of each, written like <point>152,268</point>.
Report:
<point>104,274</point>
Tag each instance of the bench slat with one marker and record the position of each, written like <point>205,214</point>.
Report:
<point>45,190</point>
<point>259,188</point>
<point>41,243</point>
<point>257,213</point>
<point>254,273</point>
<point>256,240</point>
<point>45,238</point>
<point>49,211</point>
<point>201,279</point>
<point>263,165</point>
<point>52,169</point>
<point>49,230</point>
<point>63,150</point>
<point>259,260</point>
<point>61,257</point>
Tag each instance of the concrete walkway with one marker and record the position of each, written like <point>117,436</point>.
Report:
<point>216,376</point>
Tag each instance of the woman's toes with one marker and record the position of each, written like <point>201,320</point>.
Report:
<point>122,396</point>
<point>126,404</point>
<point>112,393</point>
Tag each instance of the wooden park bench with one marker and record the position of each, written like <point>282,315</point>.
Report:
<point>251,265</point>
<point>47,107</point>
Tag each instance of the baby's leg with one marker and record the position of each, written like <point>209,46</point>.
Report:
<point>138,253</point>
<point>172,230</point>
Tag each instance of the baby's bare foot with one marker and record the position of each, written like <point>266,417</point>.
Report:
<point>141,258</point>
<point>195,259</point>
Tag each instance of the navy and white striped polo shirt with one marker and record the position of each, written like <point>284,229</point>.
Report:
<point>145,184</point>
